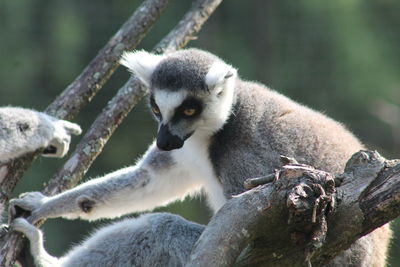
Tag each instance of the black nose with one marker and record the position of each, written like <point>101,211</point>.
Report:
<point>166,140</point>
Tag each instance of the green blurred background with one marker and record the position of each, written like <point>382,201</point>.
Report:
<point>339,57</point>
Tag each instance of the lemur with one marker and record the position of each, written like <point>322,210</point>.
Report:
<point>215,130</point>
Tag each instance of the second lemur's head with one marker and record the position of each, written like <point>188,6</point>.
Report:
<point>191,92</point>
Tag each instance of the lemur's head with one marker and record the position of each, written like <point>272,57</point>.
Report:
<point>191,92</point>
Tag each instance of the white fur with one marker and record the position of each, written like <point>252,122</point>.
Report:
<point>219,106</point>
<point>167,101</point>
<point>41,257</point>
<point>174,182</point>
<point>166,185</point>
<point>194,156</point>
<point>142,64</point>
<point>217,74</point>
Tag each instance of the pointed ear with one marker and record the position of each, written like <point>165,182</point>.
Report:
<point>142,64</point>
<point>219,73</point>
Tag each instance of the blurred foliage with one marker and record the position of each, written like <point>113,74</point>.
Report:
<point>339,57</point>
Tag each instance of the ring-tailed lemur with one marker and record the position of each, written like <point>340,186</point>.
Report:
<point>215,130</point>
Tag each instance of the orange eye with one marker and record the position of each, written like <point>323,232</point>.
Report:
<point>189,111</point>
<point>156,110</point>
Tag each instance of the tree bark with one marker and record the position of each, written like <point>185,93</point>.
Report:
<point>290,222</point>
<point>67,105</point>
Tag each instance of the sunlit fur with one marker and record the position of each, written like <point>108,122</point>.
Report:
<point>143,67</point>
<point>167,102</point>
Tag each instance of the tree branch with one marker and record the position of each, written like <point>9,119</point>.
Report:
<point>257,227</point>
<point>116,110</point>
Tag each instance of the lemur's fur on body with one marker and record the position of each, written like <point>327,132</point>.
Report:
<point>215,130</point>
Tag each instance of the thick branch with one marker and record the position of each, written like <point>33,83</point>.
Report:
<point>379,203</point>
<point>116,110</point>
<point>254,228</point>
<point>233,227</point>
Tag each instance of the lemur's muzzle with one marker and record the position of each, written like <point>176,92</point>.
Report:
<point>166,140</point>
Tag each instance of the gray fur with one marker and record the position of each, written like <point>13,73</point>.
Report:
<point>260,125</point>
<point>99,194</point>
<point>160,160</point>
<point>133,242</point>
<point>127,243</point>
<point>266,125</point>
<point>183,69</point>
<point>274,126</point>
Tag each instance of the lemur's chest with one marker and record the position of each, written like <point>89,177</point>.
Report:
<point>195,157</point>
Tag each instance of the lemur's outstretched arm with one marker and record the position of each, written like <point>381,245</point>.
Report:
<point>154,181</point>
<point>24,130</point>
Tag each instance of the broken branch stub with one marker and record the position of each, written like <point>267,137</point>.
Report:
<point>308,203</point>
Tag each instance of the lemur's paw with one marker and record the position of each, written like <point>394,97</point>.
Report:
<point>20,225</point>
<point>23,226</point>
<point>59,145</point>
<point>27,205</point>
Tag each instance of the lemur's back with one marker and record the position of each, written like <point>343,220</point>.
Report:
<point>265,125</point>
